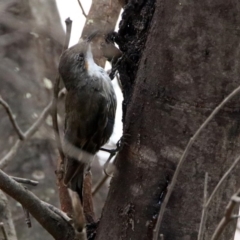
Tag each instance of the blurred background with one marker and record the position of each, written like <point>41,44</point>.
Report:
<point>31,39</point>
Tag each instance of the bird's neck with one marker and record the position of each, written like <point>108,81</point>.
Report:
<point>92,68</point>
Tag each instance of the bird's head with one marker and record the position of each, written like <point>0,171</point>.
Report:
<point>75,62</point>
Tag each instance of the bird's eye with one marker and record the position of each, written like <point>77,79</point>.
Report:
<point>80,57</point>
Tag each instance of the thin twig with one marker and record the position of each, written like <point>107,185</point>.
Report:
<point>235,199</point>
<point>226,174</point>
<point>56,92</point>
<point>99,184</point>
<point>83,12</point>
<point>106,164</point>
<point>27,217</point>
<point>68,23</point>
<point>4,231</point>
<point>8,157</point>
<point>207,203</point>
<point>204,210</point>
<point>12,120</point>
<point>25,181</point>
<point>183,157</point>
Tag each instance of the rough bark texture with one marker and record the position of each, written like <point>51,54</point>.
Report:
<point>190,63</point>
<point>31,38</point>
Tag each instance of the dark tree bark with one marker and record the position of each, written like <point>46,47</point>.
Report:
<point>188,65</point>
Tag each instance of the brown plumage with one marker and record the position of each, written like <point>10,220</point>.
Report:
<point>90,111</point>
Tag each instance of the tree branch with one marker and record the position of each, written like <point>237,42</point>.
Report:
<point>68,22</point>
<point>64,198</point>
<point>204,210</point>
<point>8,157</point>
<point>12,120</point>
<point>226,174</point>
<point>25,181</point>
<point>83,12</point>
<point>235,199</point>
<point>183,158</point>
<point>52,222</point>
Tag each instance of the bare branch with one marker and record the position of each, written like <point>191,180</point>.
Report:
<point>64,198</point>
<point>68,22</point>
<point>8,157</point>
<point>183,158</point>
<point>83,12</point>
<point>204,210</point>
<point>99,184</point>
<point>25,181</point>
<point>12,120</point>
<point>235,199</point>
<point>52,222</point>
<point>226,174</point>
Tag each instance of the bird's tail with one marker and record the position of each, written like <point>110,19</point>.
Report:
<point>74,176</point>
<point>76,184</point>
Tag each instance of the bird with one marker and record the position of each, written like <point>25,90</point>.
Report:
<point>90,108</point>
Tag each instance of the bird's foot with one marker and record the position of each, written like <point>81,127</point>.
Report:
<point>121,142</point>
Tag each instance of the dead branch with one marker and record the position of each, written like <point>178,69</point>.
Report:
<point>183,158</point>
<point>226,174</point>
<point>12,152</point>
<point>235,199</point>
<point>65,201</point>
<point>207,202</point>
<point>83,12</point>
<point>99,184</point>
<point>25,181</point>
<point>12,120</point>
<point>68,22</point>
<point>52,222</point>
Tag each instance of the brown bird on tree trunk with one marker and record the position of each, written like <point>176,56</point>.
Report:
<point>90,107</point>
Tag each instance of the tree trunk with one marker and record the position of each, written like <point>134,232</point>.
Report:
<point>189,64</point>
